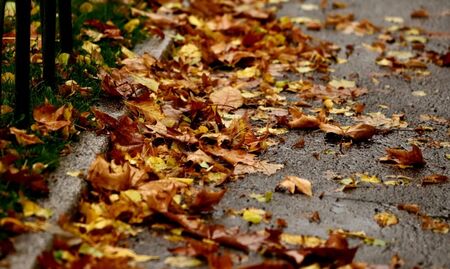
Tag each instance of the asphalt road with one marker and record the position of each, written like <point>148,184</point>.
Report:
<point>354,210</point>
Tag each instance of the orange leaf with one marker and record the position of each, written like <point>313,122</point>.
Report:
<point>293,184</point>
<point>109,175</point>
<point>23,138</point>
<point>404,157</point>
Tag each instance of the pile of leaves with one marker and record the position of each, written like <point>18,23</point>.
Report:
<point>202,117</point>
<point>27,155</point>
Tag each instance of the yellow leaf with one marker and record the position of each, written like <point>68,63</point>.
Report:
<point>32,209</point>
<point>8,77</point>
<point>253,215</point>
<point>156,163</point>
<point>301,240</point>
<point>249,72</point>
<point>150,83</point>
<point>342,83</point>
<point>385,219</point>
<point>369,179</point>
<point>128,53</point>
<point>63,58</point>
<point>182,261</point>
<point>131,25</point>
<point>86,7</point>
<point>419,93</point>
<point>190,54</point>
<point>118,252</point>
<point>262,198</point>
<point>133,195</point>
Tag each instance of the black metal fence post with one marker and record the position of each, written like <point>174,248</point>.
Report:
<point>65,25</point>
<point>2,22</point>
<point>48,18</point>
<point>22,110</point>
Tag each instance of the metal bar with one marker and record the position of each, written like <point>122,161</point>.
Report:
<point>2,21</point>
<point>65,25</point>
<point>22,111</point>
<point>48,18</point>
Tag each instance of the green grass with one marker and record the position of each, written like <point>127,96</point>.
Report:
<point>84,74</point>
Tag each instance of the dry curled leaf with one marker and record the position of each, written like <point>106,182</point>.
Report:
<point>404,157</point>
<point>295,184</point>
<point>109,175</point>
<point>358,132</point>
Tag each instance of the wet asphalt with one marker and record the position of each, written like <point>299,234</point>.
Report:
<point>354,210</point>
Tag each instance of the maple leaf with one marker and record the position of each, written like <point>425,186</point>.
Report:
<point>404,157</point>
<point>293,184</point>
<point>108,175</point>
<point>49,118</point>
<point>227,98</point>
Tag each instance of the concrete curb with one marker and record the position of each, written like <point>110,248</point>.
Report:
<point>65,190</point>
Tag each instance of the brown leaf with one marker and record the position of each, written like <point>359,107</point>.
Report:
<point>270,264</point>
<point>109,175</point>
<point>404,157</point>
<point>410,208</point>
<point>227,98</point>
<point>358,132</point>
<point>361,132</point>
<point>293,184</point>
<point>434,179</point>
<point>304,122</point>
<point>435,225</point>
<point>205,200</point>
<point>420,14</point>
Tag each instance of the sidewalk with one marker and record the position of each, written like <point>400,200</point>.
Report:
<point>218,103</point>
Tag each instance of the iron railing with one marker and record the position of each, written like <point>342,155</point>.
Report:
<point>48,10</point>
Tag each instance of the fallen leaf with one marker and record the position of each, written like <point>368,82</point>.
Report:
<point>434,179</point>
<point>25,139</point>
<point>410,208</point>
<point>109,175</point>
<point>293,184</point>
<point>342,83</point>
<point>404,157</point>
<point>253,215</point>
<point>359,132</point>
<point>182,262</point>
<point>385,219</point>
<point>435,225</point>
<point>227,98</point>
